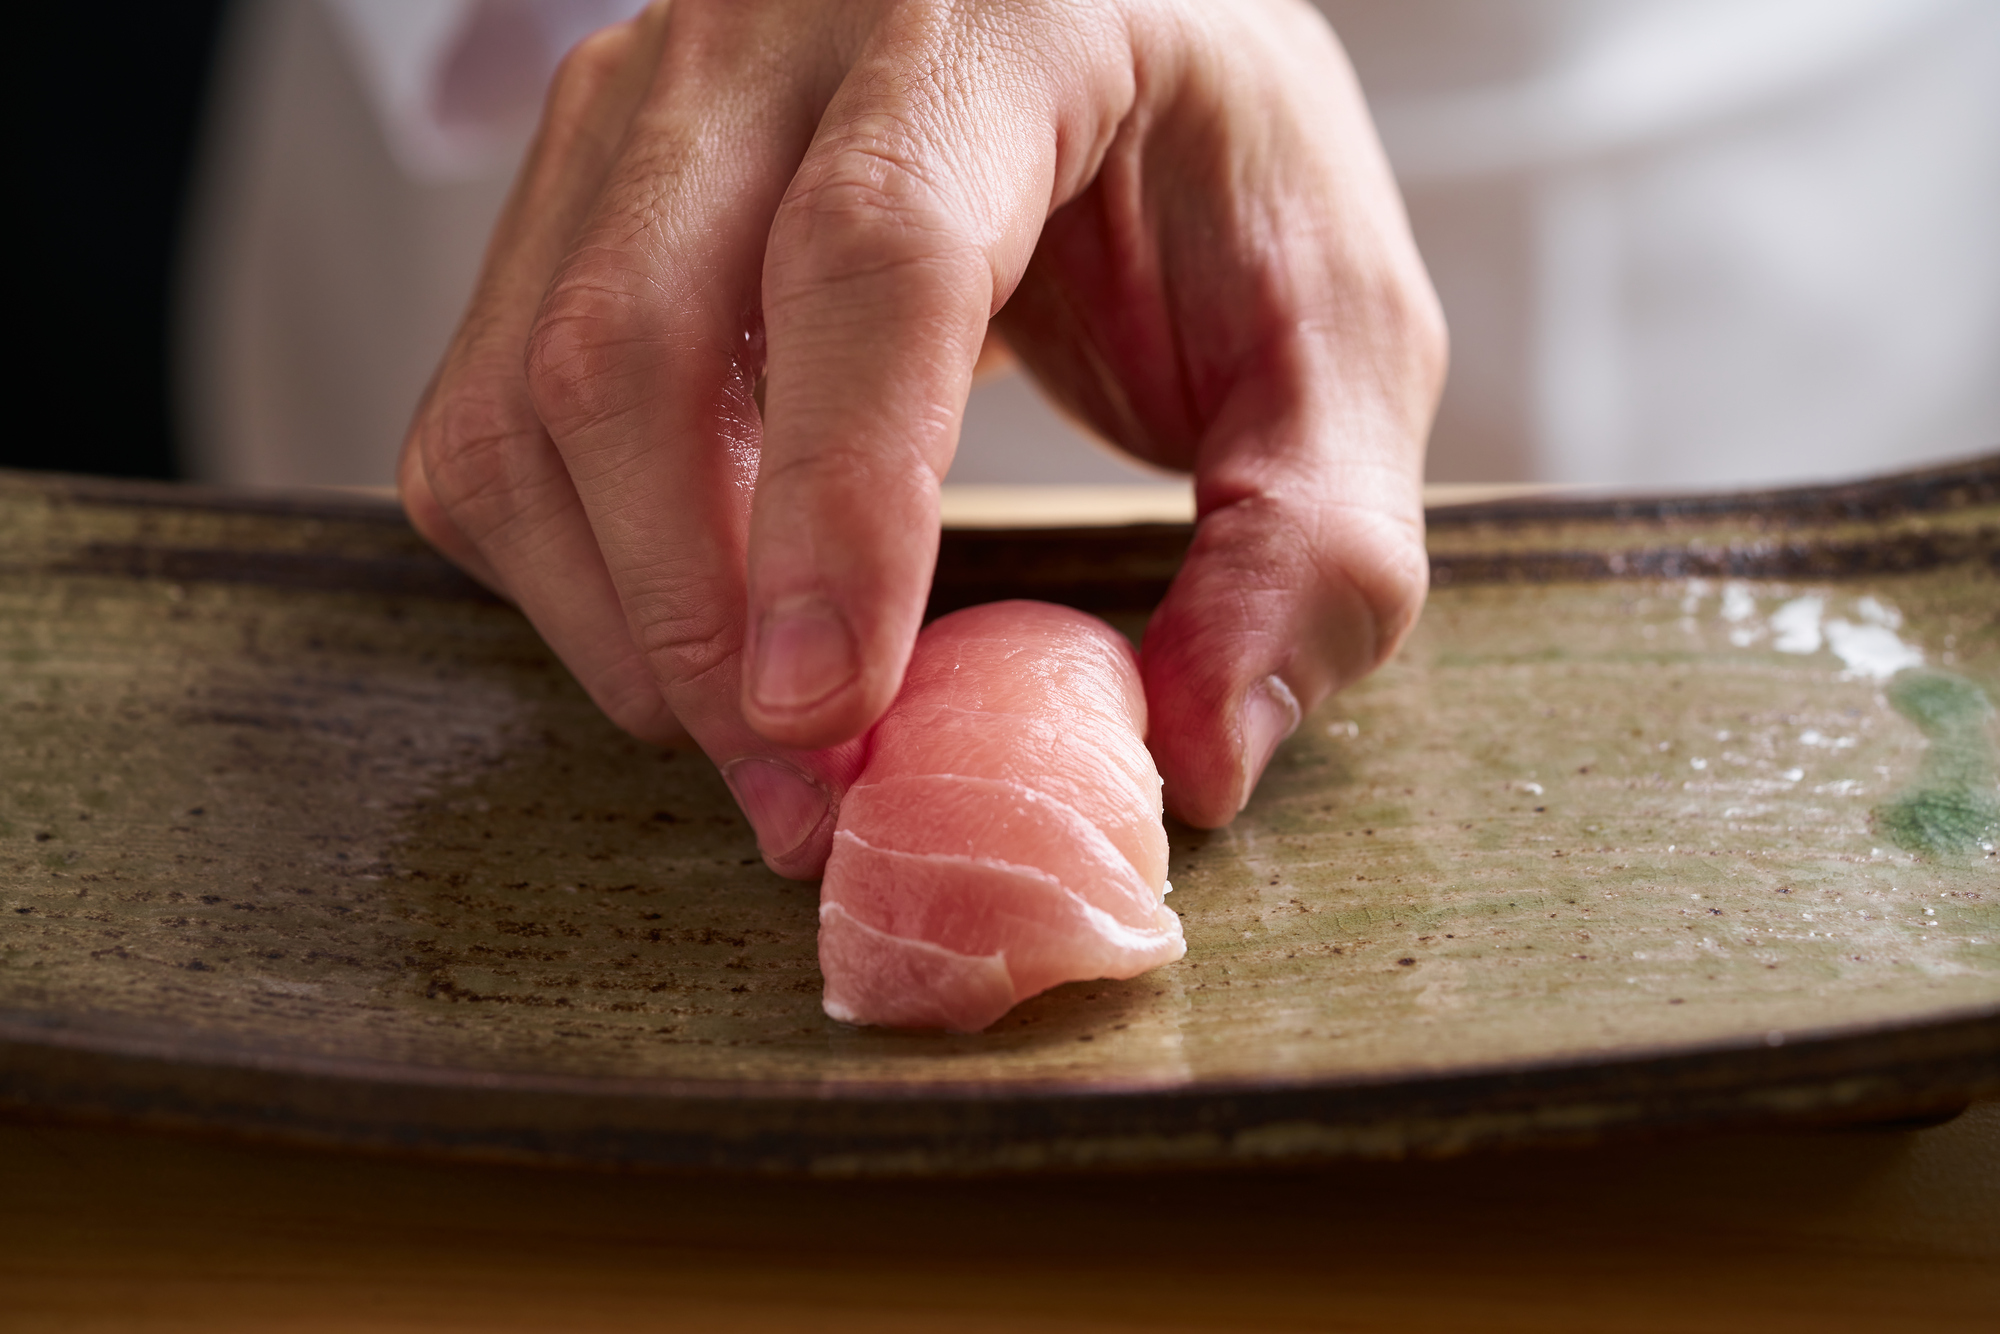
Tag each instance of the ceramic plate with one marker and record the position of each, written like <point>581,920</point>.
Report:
<point>1673,812</point>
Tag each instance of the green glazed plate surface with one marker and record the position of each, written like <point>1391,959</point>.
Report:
<point>1670,813</point>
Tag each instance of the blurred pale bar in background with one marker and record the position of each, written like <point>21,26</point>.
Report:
<point>1681,243</point>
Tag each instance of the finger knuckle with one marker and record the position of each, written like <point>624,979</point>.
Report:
<point>586,70</point>
<point>850,471</point>
<point>461,440</point>
<point>1402,309</point>
<point>1348,580</point>
<point>421,505</point>
<point>1421,315</point>
<point>576,351</point>
<point>1384,561</point>
<point>684,647</point>
<point>477,468</point>
<point>630,697</point>
<point>866,208</point>
<point>864,174</point>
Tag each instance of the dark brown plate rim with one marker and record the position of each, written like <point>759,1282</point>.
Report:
<point>1861,1073</point>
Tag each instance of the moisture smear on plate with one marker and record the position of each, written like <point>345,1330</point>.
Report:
<point>1952,806</point>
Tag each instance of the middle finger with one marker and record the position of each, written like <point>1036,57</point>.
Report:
<point>642,365</point>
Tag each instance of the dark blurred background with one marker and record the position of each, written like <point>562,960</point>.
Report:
<point>109,113</point>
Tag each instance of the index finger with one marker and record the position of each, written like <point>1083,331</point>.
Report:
<point>908,223</point>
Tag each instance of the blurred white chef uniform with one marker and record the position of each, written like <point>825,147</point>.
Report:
<point>1681,243</point>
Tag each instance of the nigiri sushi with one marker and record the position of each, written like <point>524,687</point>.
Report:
<point>1005,833</point>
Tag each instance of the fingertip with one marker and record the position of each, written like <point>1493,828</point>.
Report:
<point>1211,791</point>
<point>1268,714</point>
<point>804,655</point>
<point>1196,742</point>
<point>1211,661</point>
<point>414,494</point>
<point>842,546</point>
<point>811,680</point>
<point>629,694</point>
<point>1277,606</point>
<point>433,522</point>
<point>791,811</point>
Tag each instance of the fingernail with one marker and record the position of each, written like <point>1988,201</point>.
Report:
<point>1270,714</point>
<point>783,805</point>
<point>805,652</point>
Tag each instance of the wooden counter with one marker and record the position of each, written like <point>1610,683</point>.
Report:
<point>1809,1231</point>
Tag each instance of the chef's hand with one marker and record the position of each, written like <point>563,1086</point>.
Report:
<point>1175,211</point>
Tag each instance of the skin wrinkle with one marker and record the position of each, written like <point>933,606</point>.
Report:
<point>679,161</point>
<point>574,371</point>
<point>691,645</point>
<point>647,587</point>
<point>667,627</point>
<point>1073,169</point>
<point>873,168</point>
<point>1116,106</point>
<point>857,463</point>
<point>959,255</point>
<point>649,186</point>
<point>912,472</point>
<point>1120,210</point>
<point>1098,395</point>
<point>935,345</point>
<point>670,563</point>
<point>470,454</point>
<point>1205,377</point>
<point>950,102</point>
<point>524,524</point>
<point>629,694</point>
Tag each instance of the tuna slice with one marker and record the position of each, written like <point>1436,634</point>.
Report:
<point>1005,835</point>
